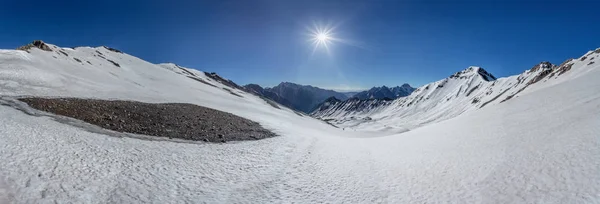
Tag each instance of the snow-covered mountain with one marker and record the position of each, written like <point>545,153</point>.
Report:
<point>299,97</point>
<point>107,73</point>
<point>538,146</point>
<point>469,89</point>
<point>384,92</point>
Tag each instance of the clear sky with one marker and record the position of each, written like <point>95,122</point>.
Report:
<point>388,42</point>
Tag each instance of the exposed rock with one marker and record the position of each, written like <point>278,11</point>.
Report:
<point>564,68</point>
<point>37,44</point>
<point>471,91</point>
<point>542,65</point>
<point>486,75</point>
<point>540,76</point>
<point>112,49</point>
<point>173,120</point>
<point>222,80</point>
<point>113,62</point>
<point>464,74</point>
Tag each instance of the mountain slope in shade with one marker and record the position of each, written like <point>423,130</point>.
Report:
<point>469,89</point>
<point>299,97</point>
<point>385,92</point>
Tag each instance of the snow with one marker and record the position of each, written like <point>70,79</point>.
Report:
<point>467,90</point>
<point>540,147</point>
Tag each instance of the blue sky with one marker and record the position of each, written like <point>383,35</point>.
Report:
<point>266,42</point>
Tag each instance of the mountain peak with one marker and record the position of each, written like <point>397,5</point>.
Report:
<point>473,71</point>
<point>288,84</point>
<point>37,44</point>
<point>542,65</point>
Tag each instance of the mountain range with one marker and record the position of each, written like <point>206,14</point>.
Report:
<point>385,92</point>
<point>306,98</point>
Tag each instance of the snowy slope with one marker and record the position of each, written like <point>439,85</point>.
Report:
<point>540,147</point>
<point>58,73</point>
<point>470,89</point>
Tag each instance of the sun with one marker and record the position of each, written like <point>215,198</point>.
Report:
<point>322,37</point>
<point>325,37</point>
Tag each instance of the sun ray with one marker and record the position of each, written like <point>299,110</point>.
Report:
<point>324,36</point>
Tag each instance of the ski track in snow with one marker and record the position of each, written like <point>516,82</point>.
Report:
<point>543,147</point>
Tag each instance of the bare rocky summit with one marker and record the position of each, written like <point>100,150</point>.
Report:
<point>37,44</point>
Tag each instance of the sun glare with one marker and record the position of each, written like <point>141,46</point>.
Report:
<point>321,37</point>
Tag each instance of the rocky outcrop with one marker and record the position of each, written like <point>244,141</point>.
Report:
<point>35,44</point>
<point>222,80</point>
<point>112,49</point>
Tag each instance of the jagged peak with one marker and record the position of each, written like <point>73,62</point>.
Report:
<point>542,65</point>
<point>406,85</point>
<point>287,83</point>
<point>473,71</point>
<point>35,44</point>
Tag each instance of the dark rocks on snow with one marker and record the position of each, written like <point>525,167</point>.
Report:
<point>113,62</point>
<point>473,89</point>
<point>37,44</point>
<point>112,49</point>
<point>200,80</point>
<point>564,68</point>
<point>172,120</point>
<point>542,65</point>
<point>222,80</point>
<point>64,53</point>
